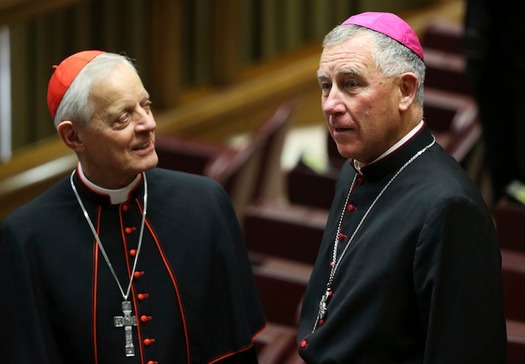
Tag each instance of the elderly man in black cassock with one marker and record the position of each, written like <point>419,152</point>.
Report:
<point>408,270</point>
<point>122,262</point>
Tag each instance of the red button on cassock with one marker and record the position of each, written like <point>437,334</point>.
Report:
<point>129,230</point>
<point>142,296</point>
<point>148,341</point>
<point>145,318</point>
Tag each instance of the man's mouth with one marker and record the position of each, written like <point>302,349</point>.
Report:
<point>142,146</point>
<point>342,129</point>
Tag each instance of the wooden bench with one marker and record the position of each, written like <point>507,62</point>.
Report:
<point>253,172</point>
<point>443,35</point>
<point>186,154</point>
<point>248,173</point>
<point>281,284</point>
<point>285,230</point>
<point>509,217</point>
<point>446,71</point>
<point>308,187</point>
<point>513,281</point>
<point>454,121</point>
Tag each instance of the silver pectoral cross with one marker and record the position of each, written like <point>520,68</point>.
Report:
<point>323,308</point>
<point>323,305</point>
<point>127,321</point>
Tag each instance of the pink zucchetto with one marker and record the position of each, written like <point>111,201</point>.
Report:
<point>390,25</point>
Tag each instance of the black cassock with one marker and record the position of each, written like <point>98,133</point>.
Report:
<point>420,281</point>
<point>193,295</point>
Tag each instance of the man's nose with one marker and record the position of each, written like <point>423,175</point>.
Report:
<point>333,103</point>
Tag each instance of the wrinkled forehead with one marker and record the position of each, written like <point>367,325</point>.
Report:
<point>353,53</point>
<point>121,89</point>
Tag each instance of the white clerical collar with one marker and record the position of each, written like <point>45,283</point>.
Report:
<point>409,135</point>
<point>116,196</point>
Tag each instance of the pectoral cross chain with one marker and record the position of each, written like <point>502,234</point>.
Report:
<point>127,321</point>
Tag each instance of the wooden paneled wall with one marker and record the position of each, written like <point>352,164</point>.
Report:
<point>178,45</point>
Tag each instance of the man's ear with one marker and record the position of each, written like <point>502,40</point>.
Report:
<point>69,134</point>
<point>408,88</point>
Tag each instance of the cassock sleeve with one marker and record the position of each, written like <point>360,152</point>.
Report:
<point>26,334</point>
<point>457,275</point>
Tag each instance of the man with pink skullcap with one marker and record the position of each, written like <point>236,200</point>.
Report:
<point>123,262</point>
<point>408,270</point>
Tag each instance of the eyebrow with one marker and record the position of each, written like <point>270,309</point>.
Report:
<point>350,71</point>
<point>344,72</point>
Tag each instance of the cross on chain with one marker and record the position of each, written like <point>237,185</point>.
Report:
<point>127,321</point>
<point>323,305</point>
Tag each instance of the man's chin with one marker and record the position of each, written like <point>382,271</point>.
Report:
<point>147,164</point>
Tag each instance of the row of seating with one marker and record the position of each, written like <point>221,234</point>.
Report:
<point>252,176</point>
<point>248,173</point>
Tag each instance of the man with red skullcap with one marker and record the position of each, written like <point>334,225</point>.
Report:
<point>123,262</point>
<point>408,269</point>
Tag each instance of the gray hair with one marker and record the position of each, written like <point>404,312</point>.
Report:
<point>75,104</point>
<point>390,56</point>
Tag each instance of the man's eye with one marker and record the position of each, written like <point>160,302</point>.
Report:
<point>325,86</point>
<point>147,106</point>
<point>123,118</point>
<point>350,83</point>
